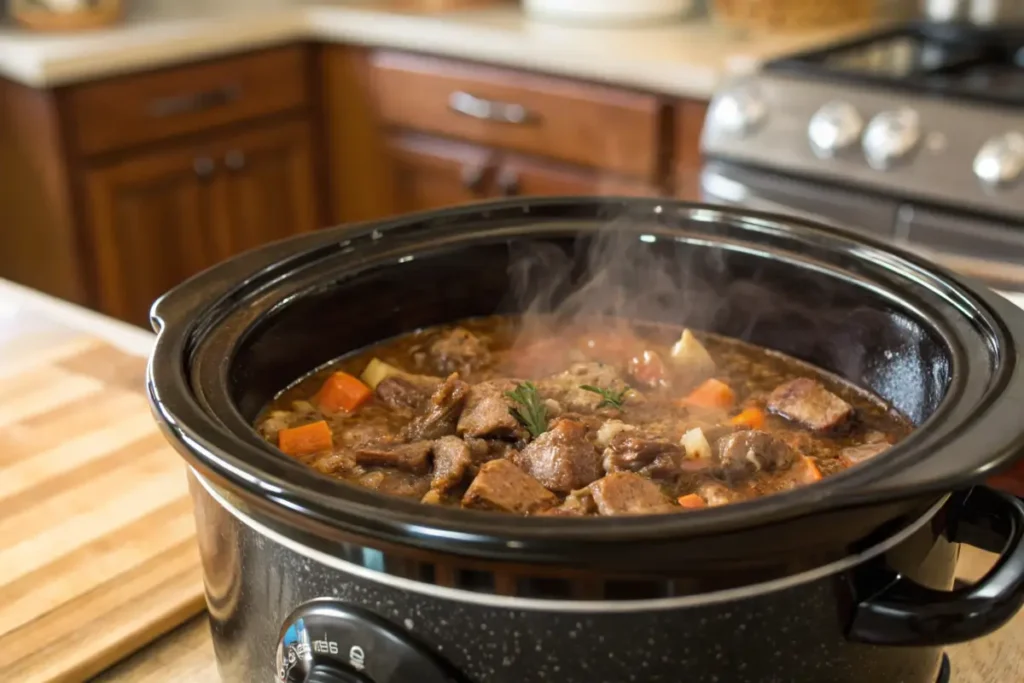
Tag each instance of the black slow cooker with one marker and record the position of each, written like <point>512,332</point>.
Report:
<point>846,581</point>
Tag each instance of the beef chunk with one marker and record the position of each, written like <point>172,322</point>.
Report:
<point>459,350</point>
<point>503,487</point>
<point>485,450</point>
<point>635,452</point>
<point>488,412</point>
<point>400,393</point>
<point>562,459</point>
<point>339,462</point>
<point>394,483</point>
<point>410,457</point>
<point>745,453</point>
<point>809,403</point>
<point>452,462</point>
<point>442,416</point>
<point>565,387</point>
<point>858,454</point>
<point>625,493</point>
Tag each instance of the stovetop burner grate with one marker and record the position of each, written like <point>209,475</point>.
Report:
<point>980,65</point>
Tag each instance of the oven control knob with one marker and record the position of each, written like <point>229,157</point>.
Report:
<point>891,136</point>
<point>739,111</point>
<point>1001,159</point>
<point>326,641</point>
<point>834,127</point>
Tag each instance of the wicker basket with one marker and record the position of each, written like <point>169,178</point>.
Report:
<point>791,14</point>
<point>40,15</point>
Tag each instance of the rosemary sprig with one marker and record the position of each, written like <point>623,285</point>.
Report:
<point>612,398</point>
<point>530,410</point>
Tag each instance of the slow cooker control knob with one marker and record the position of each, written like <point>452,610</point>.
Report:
<point>325,673</point>
<point>891,136</point>
<point>1001,159</point>
<point>327,641</point>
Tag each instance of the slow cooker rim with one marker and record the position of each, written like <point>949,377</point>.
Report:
<point>629,527</point>
<point>582,606</point>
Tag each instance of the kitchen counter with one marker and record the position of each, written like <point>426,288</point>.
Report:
<point>29,319</point>
<point>685,58</point>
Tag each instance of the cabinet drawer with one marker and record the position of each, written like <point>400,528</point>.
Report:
<point>584,124</point>
<point>140,108</point>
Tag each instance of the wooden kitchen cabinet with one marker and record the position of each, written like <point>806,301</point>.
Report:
<point>430,174</point>
<point>526,177</point>
<point>150,226</point>
<point>158,218</point>
<point>263,188</point>
<point>123,187</point>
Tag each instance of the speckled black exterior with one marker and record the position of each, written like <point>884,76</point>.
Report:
<point>794,635</point>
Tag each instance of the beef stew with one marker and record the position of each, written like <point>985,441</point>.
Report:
<point>525,416</point>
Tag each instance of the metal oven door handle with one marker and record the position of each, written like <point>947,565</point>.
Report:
<point>908,614</point>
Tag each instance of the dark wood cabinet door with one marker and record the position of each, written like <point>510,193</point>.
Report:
<point>429,173</point>
<point>528,177</point>
<point>264,188</point>
<point>149,220</point>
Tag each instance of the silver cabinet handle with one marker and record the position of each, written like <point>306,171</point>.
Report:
<point>235,160</point>
<point>203,166</point>
<point>508,182</point>
<point>489,110</point>
<point>473,177</point>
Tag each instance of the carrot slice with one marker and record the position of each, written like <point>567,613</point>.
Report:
<point>305,440</point>
<point>692,502</point>
<point>711,394</point>
<point>751,417</point>
<point>342,391</point>
<point>812,473</point>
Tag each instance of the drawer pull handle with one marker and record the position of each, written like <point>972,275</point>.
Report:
<point>508,183</point>
<point>473,177</point>
<point>489,110</point>
<point>235,160</point>
<point>193,103</point>
<point>203,166</point>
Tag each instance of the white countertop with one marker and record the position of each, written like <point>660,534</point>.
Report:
<point>684,58</point>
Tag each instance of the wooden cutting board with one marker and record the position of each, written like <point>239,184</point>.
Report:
<point>97,540</point>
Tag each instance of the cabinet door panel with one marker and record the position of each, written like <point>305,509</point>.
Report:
<point>265,188</point>
<point>521,176</point>
<point>149,222</point>
<point>431,173</point>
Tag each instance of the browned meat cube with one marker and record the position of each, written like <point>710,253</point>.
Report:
<point>400,393</point>
<point>459,350</point>
<point>485,450</point>
<point>488,412</point>
<point>855,455</point>
<point>625,493</point>
<point>443,411</point>
<point>743,454</point>
<point>631,451</point>
<point>503,487</point>
<point>452,462</point>
<point>394,483</point>
<point>809,403</point>
<point>562,459</point>
<point>408,457</point>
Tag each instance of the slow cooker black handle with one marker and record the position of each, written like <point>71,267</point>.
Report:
<point>907,613</point>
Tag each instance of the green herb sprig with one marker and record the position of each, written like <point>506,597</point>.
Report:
<point>529,410</point>
<point>612,398</point>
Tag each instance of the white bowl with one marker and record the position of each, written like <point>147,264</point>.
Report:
<point>607,11</point>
